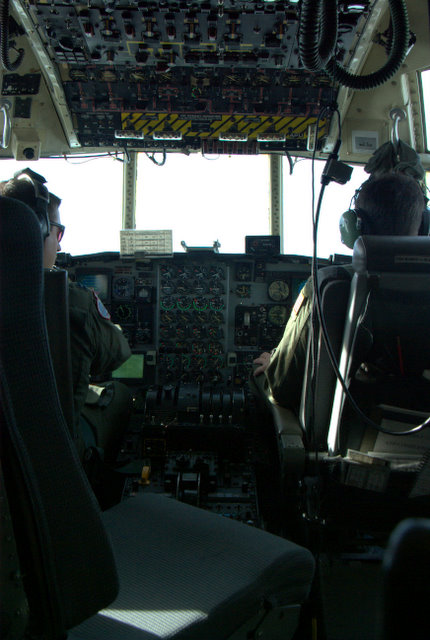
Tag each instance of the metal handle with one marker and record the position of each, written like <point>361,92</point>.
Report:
<point>5,106</point>
<point>396,115</point>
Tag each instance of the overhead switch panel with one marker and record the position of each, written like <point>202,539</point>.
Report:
<point>221,75</point>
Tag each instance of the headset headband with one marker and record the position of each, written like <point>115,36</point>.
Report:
<point>41,195</point>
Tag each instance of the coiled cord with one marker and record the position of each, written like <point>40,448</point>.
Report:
<point>318,35</point>
<point>4,37</point>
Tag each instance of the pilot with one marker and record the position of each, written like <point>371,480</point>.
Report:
<point>97,345</point>
<point>390,204</point>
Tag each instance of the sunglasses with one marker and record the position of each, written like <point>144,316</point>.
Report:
<point>61,229</point>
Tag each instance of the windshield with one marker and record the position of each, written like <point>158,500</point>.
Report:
<point>200,199</point>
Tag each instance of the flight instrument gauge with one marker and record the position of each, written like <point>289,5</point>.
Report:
<point>167,288</point>
<point>216,304</point>
<point>278,290</point>
<point>216,288</point>
<point>200,287</point>
<point>122,287</point>
<point>184,303</point>
<point>277,315</point>
<point>167,303</point>
<point>243,272</point>
<point>200,304</point>
<point>216,272</point>
<point>216,318</point>
<point>199,272</point>
<point>183,316</point>
<point>167,317</point>
<point>167,271</point>
<point>123,312</point>
<point>144,293</point>
<point>243,291</point>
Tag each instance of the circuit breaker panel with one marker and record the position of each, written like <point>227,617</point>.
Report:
<point>221,76</point>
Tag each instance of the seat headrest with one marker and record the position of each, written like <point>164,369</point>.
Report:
<point>397,254</point>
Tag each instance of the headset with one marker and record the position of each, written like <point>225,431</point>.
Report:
<point>355,222</point>
<point>41,195</point>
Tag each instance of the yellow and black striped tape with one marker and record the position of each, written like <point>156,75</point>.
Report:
<point>210,127</point>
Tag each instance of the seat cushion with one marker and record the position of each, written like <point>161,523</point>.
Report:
<point>190,574</point>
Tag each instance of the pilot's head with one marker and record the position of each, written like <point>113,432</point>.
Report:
<point>391,204</point>
<point>23,190</point>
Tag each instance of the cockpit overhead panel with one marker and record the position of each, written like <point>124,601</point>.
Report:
<point>218,76</point>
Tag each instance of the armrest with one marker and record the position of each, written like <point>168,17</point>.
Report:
<point>290,440</point>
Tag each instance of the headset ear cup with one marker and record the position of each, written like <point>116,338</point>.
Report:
<point>424,229</point>
<point>350,227</point>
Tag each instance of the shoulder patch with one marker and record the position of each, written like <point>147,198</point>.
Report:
<point>299,303</point>
<point>101,309</point>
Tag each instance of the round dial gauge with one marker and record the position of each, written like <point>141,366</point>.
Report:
<point>183,316</point>
<point>200,287</point>
<point>213,332</point>
<point>167,271</point>
<point>243,272</point>
<point>200,272</point>
<point>123,312</point>
<point>200,304</point>
<point>183,303</point>
<point>181,332</point>
<point>167,303</point>
<point>216,304</point>
<point>243,291</point>
<point>182,286</point>
<point>216,288</point>
<point>123,287</point>
<point>216,272</point>
<point>216,317</point>
<point>166,317</point>
<point>200,317</point>
<point>278,290</point>
<point>144,293</point>
<point>277,315</point>
<point>167,288</point>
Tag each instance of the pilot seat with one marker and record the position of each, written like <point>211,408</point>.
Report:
<point>148,568</point>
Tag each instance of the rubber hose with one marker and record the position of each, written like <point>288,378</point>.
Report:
<point>317,33</point>
<point>4,36</point>
<point>399,48</point>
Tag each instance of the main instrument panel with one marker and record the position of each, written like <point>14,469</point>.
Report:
<point>195,322</point>
<point>191,318</point>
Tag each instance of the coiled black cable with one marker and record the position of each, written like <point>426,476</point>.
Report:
<point>4,39</point>
<point>399,49</point>
<point>317,33</point>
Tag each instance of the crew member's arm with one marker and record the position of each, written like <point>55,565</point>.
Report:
<point>111,348</point>
<point>284,368</point>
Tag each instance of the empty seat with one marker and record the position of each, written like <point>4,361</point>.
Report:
<point>182,572</point>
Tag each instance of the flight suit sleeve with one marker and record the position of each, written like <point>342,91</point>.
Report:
<point>285,372</point>
<point>110,348</point>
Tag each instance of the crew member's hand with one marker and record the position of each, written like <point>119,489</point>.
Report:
<point>263,362</point>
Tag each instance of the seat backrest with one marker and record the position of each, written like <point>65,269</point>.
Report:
<point>63,548</point>
<point>387,329</point>
<point>58,326</point>
<point>406,583</point>
<point>319,381</point>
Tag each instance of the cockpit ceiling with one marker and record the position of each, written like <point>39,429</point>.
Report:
<point>222,76</point>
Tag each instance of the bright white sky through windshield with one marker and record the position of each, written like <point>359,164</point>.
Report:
<point>201,200</point>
